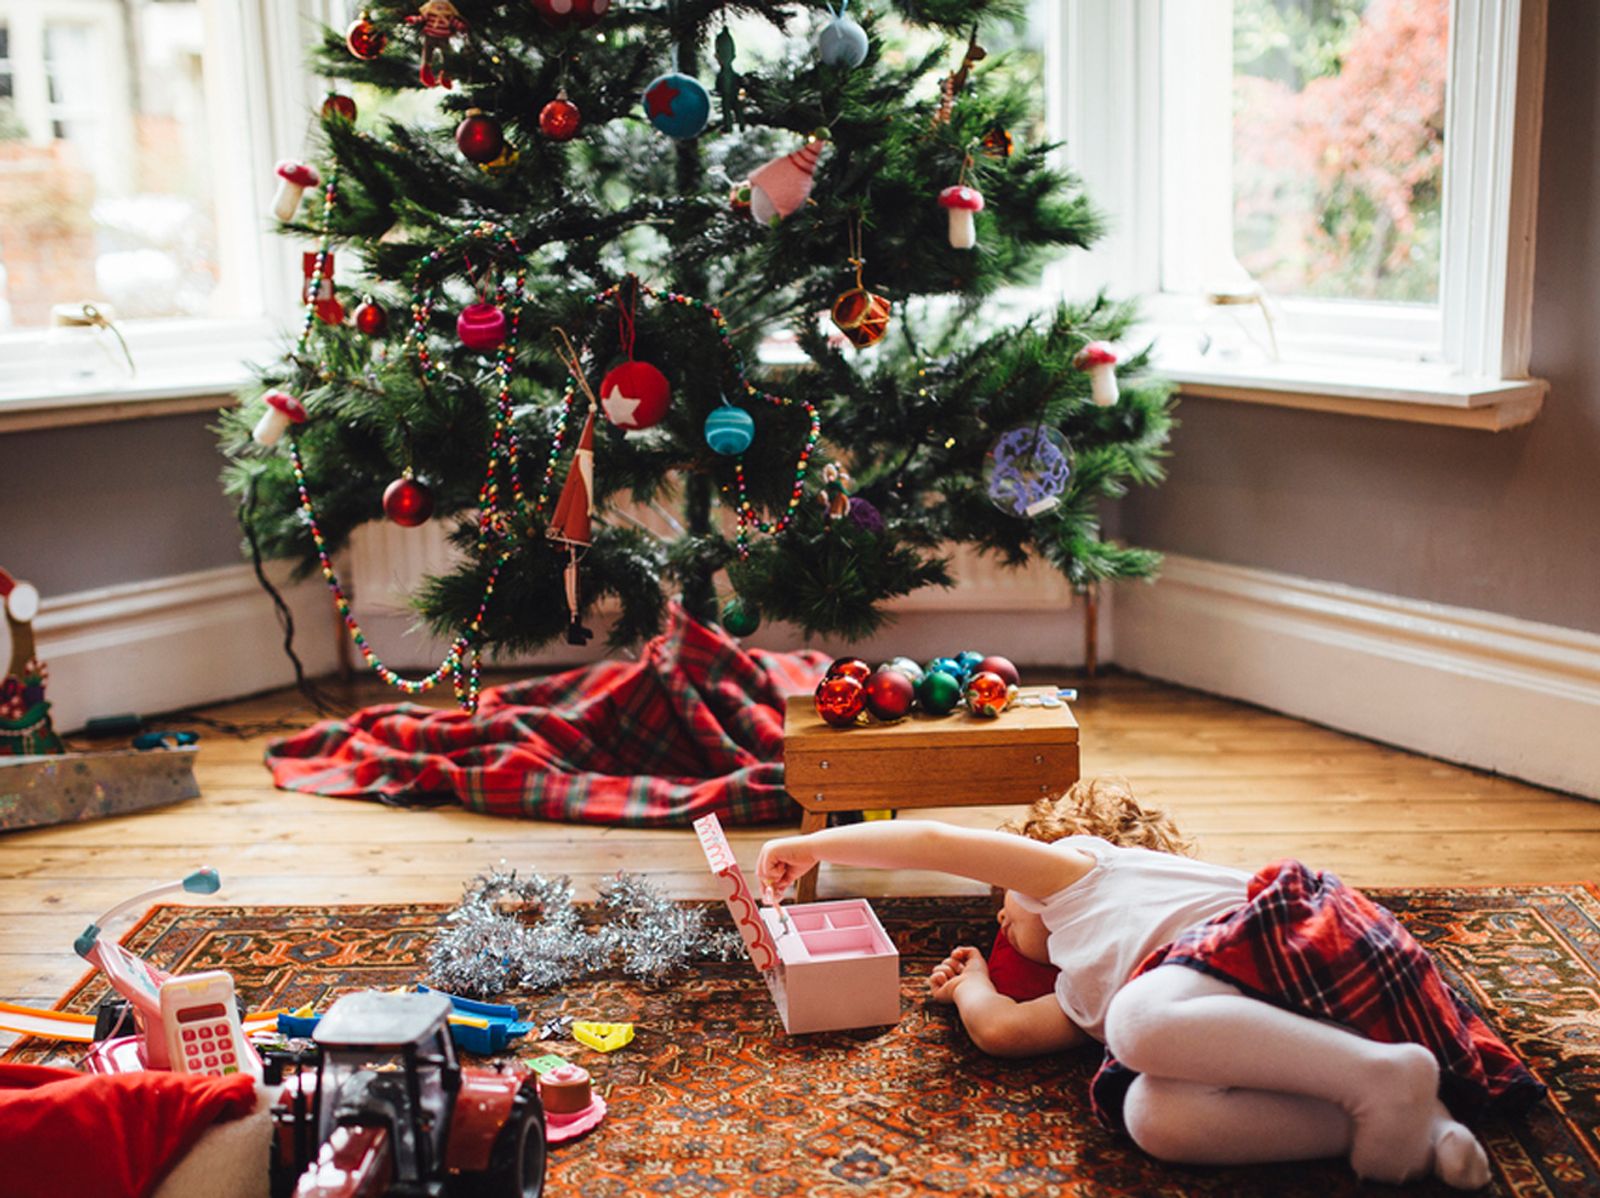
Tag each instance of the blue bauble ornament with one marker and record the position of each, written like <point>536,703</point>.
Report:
<point>729,430</point>
<point>969,661</point>
<point>677,105</point>
<point>946,665</point>
<point>842,43</point>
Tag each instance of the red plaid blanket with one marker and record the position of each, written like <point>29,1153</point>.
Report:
<point>1307,942</point>
<point>694,726</point>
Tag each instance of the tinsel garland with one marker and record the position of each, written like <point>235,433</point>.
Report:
<point>514,932</point>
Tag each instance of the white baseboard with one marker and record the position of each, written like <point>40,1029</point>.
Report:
<point>1029,615</point>
<point>168,643</point>
<point>1512,696</point>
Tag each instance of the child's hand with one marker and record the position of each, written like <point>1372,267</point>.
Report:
<point>962,963</point>
<point>782,863</point>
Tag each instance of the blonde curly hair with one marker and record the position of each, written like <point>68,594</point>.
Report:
<point>1103,807</point>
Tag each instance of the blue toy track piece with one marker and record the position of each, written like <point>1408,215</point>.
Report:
<point>471,1006</point>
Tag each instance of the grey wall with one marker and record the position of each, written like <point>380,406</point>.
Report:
<point>101,504</point>
<point>1505,522</point>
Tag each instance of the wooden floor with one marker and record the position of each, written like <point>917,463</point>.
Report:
<point>1250,785</point>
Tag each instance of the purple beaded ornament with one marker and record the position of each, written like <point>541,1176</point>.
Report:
<point>1027,470</point>
<point>865,515</point>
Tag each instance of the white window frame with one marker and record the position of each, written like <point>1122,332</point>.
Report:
<point>1464,362</point>
<point>261,100</point>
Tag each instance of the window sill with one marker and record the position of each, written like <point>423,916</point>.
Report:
<point>1388,392</point>
<point>184,366</point>
<point>58,409</point>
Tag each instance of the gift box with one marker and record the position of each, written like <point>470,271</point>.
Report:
<point>66,788</point>
<point>830,966</point>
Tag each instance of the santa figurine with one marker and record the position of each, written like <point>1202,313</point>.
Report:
<point>25,726</point>
<point>439,22</point>
<point>571,526</point>
<point>835,492</point>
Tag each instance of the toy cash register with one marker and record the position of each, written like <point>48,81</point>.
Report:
<point>830,966</point>
<point>187,1024</point>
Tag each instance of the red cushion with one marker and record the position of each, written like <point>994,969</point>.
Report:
<point>1016,976</point>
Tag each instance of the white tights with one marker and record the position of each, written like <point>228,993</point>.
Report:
<point>1226,1079</point>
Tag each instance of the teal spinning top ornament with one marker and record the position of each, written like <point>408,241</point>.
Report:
<point>729,430</point>
<point>842,42</point>
<point>677,105</point>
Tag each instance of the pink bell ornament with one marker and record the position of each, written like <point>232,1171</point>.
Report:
<point>481,327</point>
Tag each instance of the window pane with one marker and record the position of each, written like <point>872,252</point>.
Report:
<point>1338,146</point>
<point>105,195</point>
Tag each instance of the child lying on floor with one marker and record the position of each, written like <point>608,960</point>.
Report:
<point>1279,1017</point>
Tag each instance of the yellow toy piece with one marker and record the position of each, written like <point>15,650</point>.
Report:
<point>603,1037</point>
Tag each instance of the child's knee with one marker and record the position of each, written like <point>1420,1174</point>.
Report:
<point>1158,1121</point>
<point>1132,1023</point>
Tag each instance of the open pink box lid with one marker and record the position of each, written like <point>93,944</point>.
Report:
<point>742,903</point>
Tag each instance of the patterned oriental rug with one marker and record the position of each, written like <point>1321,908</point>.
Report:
<point>712,1098</point>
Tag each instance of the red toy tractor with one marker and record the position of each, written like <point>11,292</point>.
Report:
<point>388,1111</point>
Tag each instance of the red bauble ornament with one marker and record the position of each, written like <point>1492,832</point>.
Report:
<point>840,701</point>
<point>987,694</point>
<point>890,695</point>
<point>481,327</point>
<point>1001,666</point>
<point>407,502</point>
<point>572,14</point>
<point>479,137</point>
<point>365,40</point>
<point>371,319</point>
<point>339,106</point>
<point>559,120</point>
<point>850,667</point>
<point>635,395</point>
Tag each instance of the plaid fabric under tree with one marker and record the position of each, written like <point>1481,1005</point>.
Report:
<point>694,726</point>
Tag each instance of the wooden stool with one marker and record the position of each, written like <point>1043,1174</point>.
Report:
<point>955,760</point>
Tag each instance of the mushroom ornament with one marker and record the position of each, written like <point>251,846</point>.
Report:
<point>293,179</point>
<point>283,410</point>
<point>1100,359</point>
<point>962,202</point>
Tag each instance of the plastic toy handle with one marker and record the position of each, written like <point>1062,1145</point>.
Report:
<point>204,880</point>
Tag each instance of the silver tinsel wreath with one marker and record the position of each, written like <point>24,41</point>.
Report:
<point>526,933</point>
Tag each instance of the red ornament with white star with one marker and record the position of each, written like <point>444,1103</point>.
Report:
<point>635,395</point>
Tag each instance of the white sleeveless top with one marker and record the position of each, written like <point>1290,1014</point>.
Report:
<point>1129,904</point>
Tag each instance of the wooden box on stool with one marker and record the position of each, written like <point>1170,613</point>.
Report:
<point>955,760</point>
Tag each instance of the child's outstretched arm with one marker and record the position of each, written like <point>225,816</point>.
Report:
<point>998,858</point>
<point>998,1025</point>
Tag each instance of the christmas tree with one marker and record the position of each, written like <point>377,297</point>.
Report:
<point>570,264</point>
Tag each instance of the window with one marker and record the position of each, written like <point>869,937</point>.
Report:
<point>1327,197</point>
<point>7,78</point>
<point>136,144</point>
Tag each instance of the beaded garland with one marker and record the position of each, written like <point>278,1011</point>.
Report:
<point>461,661</point>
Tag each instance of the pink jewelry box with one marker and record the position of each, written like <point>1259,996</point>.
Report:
<point>833,967</point>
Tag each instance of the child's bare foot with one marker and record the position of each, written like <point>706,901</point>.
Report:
<point>1394,1128</point>
<point>1458,1158</point>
